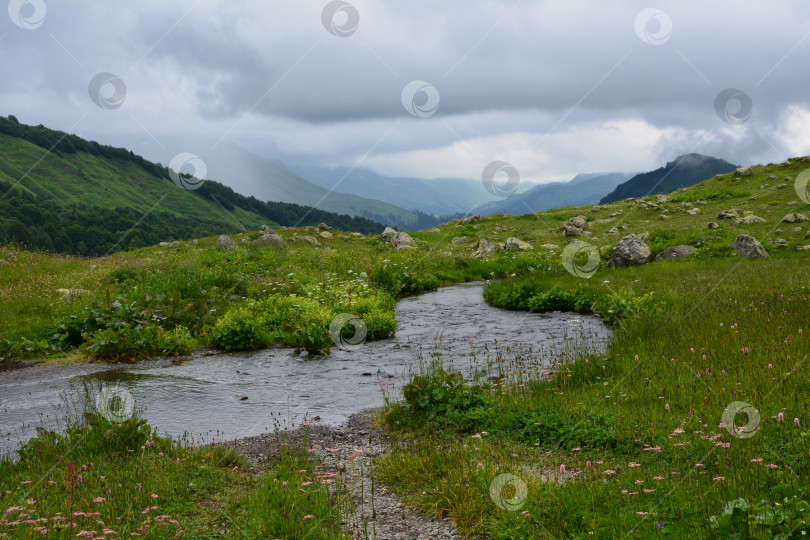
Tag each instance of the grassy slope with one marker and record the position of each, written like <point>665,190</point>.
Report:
<point>89,180</point>
<point>437,467</point>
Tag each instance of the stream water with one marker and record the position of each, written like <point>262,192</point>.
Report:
<point>204,393</point>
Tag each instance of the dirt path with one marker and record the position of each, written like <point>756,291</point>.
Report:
<point>387,518</point>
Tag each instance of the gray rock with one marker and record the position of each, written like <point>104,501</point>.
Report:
<point>357,234</point>
<point>484,248</point>
<point>264,229</point>
<point>748,246</point>
<point>308,239</point>
<point>323,225</point>
<point>224,243</point>
<point>577,221</point>
<point>728,214</point>
<point>570,230</point>
<point>459,240</point>
<point>175,244</point>
<point>780,242</point>
<point>515,243</point>
<point>470,219</point>
<point>629,251</point>
<point>269,240</point>
<point>712,225</point>
<point>613,232</point>
<point>399,239</point>
<point>749,220</point>
<point>795,217</point>
<point>661,199</point>
<point>743,171</point>
<point>435,230</point>
<point>326,235</point>
<point>164,244</point>
<point>10,257</point>
<point>693,211</point>
<point>674,252</point>
<point>549,246</point>
<point>803,248</point>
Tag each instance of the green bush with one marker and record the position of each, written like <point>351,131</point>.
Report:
<point>138,341</point>
<point>238,330</point>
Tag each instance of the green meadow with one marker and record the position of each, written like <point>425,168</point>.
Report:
<point>692,424</point>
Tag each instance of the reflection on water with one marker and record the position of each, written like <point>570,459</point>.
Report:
<point>207,392</point>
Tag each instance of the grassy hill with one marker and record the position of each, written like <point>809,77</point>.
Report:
<point>62,193</point>
<point>633,442</point>
<point>683,171</point>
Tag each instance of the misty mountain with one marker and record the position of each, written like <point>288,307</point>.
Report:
<point>582,189</point>
<point>268,181</point>
<point>439,196</point>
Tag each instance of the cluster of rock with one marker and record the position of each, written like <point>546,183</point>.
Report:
<point>399,239</point>
<point>575,226</point>
<point>8,258</point>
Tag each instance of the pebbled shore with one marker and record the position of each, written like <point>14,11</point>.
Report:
<point>387,518</point>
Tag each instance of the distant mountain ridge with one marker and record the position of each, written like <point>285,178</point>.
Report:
<point>62,193</point>
<point>439,196</point>
<point>684,171</point>
<point>585,188</point>
<point>269,181</point>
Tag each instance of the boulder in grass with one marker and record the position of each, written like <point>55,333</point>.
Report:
<point>515,243</point>
<point>470,219</point>
<point>484,248</point>
<point>399,239</point>
<point>795,217</point>
<point>728,214</point>
<point>269,240</point>
<point>750,219</point>
<point>674,252</point>
<point>224,243</point>
<point>630,250</point>
<point>749,247</point>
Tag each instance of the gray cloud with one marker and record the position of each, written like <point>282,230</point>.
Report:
<point>270,76</point>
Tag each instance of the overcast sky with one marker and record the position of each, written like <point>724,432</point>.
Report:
<point>554,88</point>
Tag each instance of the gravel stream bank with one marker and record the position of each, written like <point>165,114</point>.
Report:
<point>388,518</point>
